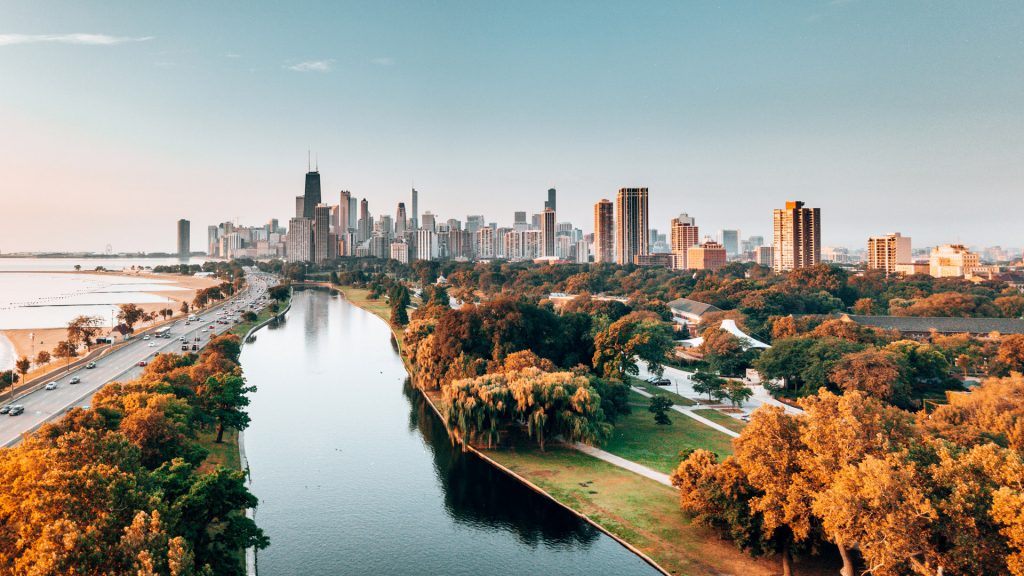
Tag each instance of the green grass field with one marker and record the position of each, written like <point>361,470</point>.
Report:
<point>636,437</point>
<point>663,390</point>
<point>723,419</point>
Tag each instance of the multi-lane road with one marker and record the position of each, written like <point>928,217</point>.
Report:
<point>44,405</point>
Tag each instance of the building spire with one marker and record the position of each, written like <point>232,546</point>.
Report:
<point>308,166</point>
<point>318,162</point>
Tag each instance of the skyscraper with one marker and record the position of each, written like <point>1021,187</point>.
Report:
<point>415,220</point>
<point>400,221</point>
<point>631,226</point>
<point>797,236</point>
<point>730,241</point>
<point>550,202</point>
<point>885,252</point>
<point>300,206</point>
<point>365,227</point>
<point>322,245</point>
<point>300,240</point>
<point>428,223</point>
<point>344,211</point>
<point>604,231</point>
<point>184,238</point>
<point>312,196</point>
<point>212,241</point>
<point>685,233</point>
<point>547,232</point>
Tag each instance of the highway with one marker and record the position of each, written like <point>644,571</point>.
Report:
<point>44,405</point>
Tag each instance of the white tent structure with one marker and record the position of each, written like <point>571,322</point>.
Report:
<point>730,327</point>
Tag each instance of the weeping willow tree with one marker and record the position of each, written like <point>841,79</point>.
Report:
<point>545,404</point>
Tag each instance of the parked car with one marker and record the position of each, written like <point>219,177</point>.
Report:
<point>662,382</point>
<point>5,409</point>
<point>74,380</point>
<point>16,410</point>
<point>90,365</point>
<point>51,386</point>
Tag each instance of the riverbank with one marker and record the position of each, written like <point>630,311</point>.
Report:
<point>640,513</point>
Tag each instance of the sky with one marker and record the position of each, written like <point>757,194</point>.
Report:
<point>119,117</point>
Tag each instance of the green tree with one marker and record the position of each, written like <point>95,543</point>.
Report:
<point>708,383</point>
<point>638,335</point>
<point>225,398</point>
<point>737,393</point>
<point>130,315</point>
<point>8,378</point>
<point>659,406</point>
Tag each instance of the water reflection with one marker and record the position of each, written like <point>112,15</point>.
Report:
<point>356,475</point>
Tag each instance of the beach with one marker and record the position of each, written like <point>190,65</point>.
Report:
<point>36,305</point>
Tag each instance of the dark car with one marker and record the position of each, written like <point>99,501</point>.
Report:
<point>194,347</point>
<point>662,382</point>
<point>5,409</point>
<point>142,362</point>
<point>16,410</point>
<point>184,347</point>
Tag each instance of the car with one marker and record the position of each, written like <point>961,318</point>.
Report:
<point>184,347</point>
<point>74,380</point>
<point>194,347</point>
<point>51,386</point>
<point>5,409</point>
<point>152,344</point>
<point>16,410</point>
<point>662,382</point>
<point>146,337</point>
<point>142,362</point>
<point>90,365</point>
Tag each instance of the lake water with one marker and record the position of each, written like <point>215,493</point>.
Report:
<point>356,475</point>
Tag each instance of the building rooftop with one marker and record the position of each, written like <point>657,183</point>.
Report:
<point>692,307</point>
<point>942,325</point>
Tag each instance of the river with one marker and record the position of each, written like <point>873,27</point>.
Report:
<point>356,475</point>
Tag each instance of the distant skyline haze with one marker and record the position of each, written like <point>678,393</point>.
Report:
<point>120,118</point>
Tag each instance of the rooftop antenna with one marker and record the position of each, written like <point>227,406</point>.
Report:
<point>307,160</point>
<point>318,162</point>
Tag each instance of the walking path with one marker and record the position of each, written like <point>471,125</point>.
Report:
<point>681,382</point>
<point>623,463</point>
<point>688,411</point>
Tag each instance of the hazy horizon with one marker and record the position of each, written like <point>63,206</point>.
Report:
<point>120,118</point>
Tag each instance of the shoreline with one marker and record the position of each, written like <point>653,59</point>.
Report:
<point>523,480</point>
<point>46,337</point>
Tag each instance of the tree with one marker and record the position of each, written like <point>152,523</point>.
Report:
<point>42,358</point>
<point>130,315</point>
<point>225,397</point>
<point>8,378</point>
<point>65,350</point>
<point>724,352</point>
<point>1010,356</point>
<point>659,406</point>
<point>82,330</point>
<point>737,393</point>
<point>1010,306</point>
<point>707,383</point>
<point>400,300</point>
<point>22,365</point>
<point>638,335</point>
<point>184,308</point>
<point>249,316</point>
<point>874,372</point>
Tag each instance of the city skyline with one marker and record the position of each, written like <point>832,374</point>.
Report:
<point>822,101</point>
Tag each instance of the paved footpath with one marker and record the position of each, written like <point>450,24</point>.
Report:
<point>687,411</point>
<point>623,463</point>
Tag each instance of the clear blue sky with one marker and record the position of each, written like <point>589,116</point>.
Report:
<point>889,116</point>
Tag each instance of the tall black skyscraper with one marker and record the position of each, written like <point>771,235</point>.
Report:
<point>550,202</point>
<point>312,197</point>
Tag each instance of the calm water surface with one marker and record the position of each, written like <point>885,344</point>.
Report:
<point>356,476</point>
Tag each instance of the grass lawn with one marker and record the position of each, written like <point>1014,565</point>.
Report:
<point>242,328</point>
<point>361,297</point>
<point>225,454</point>
<point>663,390</point>
<point>724,419</point>
<point>636,437</point>
<point>638,510</point>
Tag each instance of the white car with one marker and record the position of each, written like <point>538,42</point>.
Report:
<point>152,344</point>
<point>146,337</point>
<point>51,386</point>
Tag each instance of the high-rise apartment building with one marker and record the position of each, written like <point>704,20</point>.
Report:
<point>550,202</point>
<point>212,241</point>
<point>604,231</point>
<point>765,256</point>
<point>429,222</point>
<point>685,233</point>
<point>300,206</point>
<point>184,238</point>
<point>547,232</point>
<point>631,225</point>
<point>300,240</point>
<point>312,196</point>
<point>365,227</point>
<point>885,252</point>
<point>344,211</point>
<point>426,241</point>
<point>730,240</point>
<point>797,237</point>
<point>952,261</point>
<point>707,256</point>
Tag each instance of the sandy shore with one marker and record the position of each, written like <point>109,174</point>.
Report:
<point>47,338</point>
